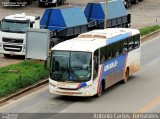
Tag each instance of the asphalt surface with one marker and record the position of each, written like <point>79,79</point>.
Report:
<point>140,94</point>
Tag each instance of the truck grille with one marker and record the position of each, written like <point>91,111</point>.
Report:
<point>12,40</point>
<point>12,48</point>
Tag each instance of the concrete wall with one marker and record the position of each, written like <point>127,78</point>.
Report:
<point>82,2</point>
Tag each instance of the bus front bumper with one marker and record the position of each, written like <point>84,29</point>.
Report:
<point>75,92</point>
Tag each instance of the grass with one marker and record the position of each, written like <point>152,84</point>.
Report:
<point>149,29</point>
<point>18,76</point>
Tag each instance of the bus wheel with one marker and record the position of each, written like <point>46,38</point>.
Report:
<point>100,91</point>
<point>126,76</point>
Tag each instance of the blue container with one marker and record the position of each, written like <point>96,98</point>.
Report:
<point>96,11</point>
<point>63,18</point>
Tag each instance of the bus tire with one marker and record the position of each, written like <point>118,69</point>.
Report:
<point>100,91</point>
<point>126,76</point>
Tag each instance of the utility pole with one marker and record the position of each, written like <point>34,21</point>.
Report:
<point>105,19</point>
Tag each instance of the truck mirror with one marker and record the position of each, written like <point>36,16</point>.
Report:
<point>37,18</point>
<point>48,63</point>
<point>31,24</point>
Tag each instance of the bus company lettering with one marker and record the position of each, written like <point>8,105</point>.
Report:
<point>111,65</point>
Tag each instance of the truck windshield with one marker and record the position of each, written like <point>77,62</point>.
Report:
<point>71,66</point>
<point>16,27</point>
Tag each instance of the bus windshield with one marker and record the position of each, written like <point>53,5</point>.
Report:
<point>71,66</point>
<point>16,27</point>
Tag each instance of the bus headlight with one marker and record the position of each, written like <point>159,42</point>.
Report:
<point>86,87</point>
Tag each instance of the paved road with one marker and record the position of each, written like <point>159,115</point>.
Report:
<point>140,94</point>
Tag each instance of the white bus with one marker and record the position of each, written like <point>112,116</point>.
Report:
<point>87,65</point>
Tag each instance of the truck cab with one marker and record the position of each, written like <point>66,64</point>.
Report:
<point>13,33</point>
<point>51,2</point>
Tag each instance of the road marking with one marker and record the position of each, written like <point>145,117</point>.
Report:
<point>150,105</point>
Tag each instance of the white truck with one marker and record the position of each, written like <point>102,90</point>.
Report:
<point>13,33</point>
<point>128,3</point>
<point>51,2</point>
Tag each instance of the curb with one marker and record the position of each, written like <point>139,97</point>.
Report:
<point>150,34</point>
<point>46,80</point>
<point>23,91</point>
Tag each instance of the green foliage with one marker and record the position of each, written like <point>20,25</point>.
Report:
<point>18,76</point>
<point>149,29</point>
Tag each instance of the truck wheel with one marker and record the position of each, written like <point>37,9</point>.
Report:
<point>62,2</point>
<point>136,1</point>
<point>128,4</point>
<point>7,55</point>
<point>29,2</point>
<point>56,4</point>
<point>40,4</point>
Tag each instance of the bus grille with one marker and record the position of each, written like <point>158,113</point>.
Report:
<point>12,48</point>
<point>12,40</point>
<point>67,88</point>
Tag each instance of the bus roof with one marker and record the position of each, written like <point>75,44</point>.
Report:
<point>95,39</point>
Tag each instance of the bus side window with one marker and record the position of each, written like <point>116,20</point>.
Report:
<point>116,49</point>
<point>109,56</point>
<point>96,63</point>
<point>130,44</point>
<point>109,52</point>
<point>103,53</point>
<point>123,47</point>
<point>136,41</point>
